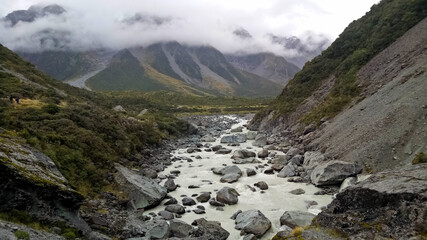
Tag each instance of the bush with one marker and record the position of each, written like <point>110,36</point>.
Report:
<point>420,158</point>
<point>22,235</point>
<point>51,109</point>
<point>69,235</point>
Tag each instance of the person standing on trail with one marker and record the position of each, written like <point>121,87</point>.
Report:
<point>17,100</point>
<point>11,99</point>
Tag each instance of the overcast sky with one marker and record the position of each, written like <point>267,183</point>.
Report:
<point>100,22</point>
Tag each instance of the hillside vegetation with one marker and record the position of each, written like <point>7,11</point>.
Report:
<point>74,127</point>
<point>358,44</point>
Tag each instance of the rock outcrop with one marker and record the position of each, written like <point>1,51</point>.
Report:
<point>143,192</point>
<point>389,204</point>
<point>333,172</point>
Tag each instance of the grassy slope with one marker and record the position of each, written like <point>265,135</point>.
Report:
<point>359,43</point>
<point>77,130</point>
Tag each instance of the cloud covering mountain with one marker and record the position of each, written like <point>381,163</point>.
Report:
<point>121,24</point>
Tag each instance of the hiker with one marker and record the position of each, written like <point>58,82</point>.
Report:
<point>17,100</point>
<point>11,99</point>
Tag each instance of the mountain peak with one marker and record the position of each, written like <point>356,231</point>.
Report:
<point>33,12</point>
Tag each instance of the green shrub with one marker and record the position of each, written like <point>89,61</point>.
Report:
<point>69,235</point>
<point>51,108</point>
<point>420,158</point>
<point>22,235</point>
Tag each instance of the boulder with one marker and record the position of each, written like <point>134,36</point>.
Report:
<point>287,171</point>
<point>228,170</point>
<point>188,201</point>
<point>157,229</point>
<point>148,172</point>
<point>260,140</point>
<point>251,135</point>
<point>391,203</point>
<point>263,153</point>
<point>142,191</point>
<point>230,178</point>
<point>170,185</point>
<point>245,160</point>
<point>297,160</point>
<point>237,138</point>
<point>296,218</point>
<point>312,159</point>
<point>171,201</point>
<point>208,138</point>
<point>250,237</point>
<point>215,203</point>
<point>293,151</point>
<point>250,172</point>
<point>166,215</point>
<point>223,151</point>
<point>209,230</point>
<point>237,129</point>
<point>262,185</point>
<point>243,153</point>
<point>333,173</point>
<point>180,229</point>
<point>297,191</point>
<point>350,181</point>
<point>252,222</point>
<point>203,197</point>
<point>216,148</point>
<point>175,208</point>
<point>280,159</point>
<point>227,195</point>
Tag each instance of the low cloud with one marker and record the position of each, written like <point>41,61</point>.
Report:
<point>120,24</point>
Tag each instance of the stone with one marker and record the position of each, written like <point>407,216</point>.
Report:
<point>188,201</point>
<point>388,203</point>
<point>180,229</point>
<point>209,230</point>
<point>350,181</point>
<point>227,195</point>
<point>297,160</point>
<point>148,172</point>
<point>297,191</point>
<point>277,167</point>
<point>228,170</point>
<point>310,128</point>
<point>144,111</point>
<point>312,159</point>
<point>193,150</point>
<point>166,215</point>
<point>170,185</point>
<point>230,178</point>
<point>243,153</point>
<point>237,138</point>
<point>250,237</point>
<point>333,173</point>
<point>223,151</point>
<point>119,108</point>
<point>171,201</point>
<point>252,222</point>
<point>287,171</point>
<point>262,185</point>
<point>293,151</point>
<point>215,203</point>
<point>263,153</point>
<point>199,211</point>
<point>237,129</point>
<point>245,160</point>
<point>216,148</point>
<point>296,218</point>
<point>250,172</point>
<point>203,197</point>
<point>260,140</point>
<point>269,171</point>
<point>207,138</point>
<point>175,208</point>
<point>143,192</point>
<point>251,135</point>
<point>235,214</point>
<point>280,159</point>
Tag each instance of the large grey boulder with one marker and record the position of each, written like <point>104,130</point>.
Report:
<point>263,153</point>
<point>209,230</point>
<point>312,159</point>
<point>251,135</point>
<point>156,229</point>
<point>170,185</point>
<point>175,208</point>
<point>227,195</point>
<point>143,192</point>
<point>237,138</point>
<point>391,203</point>
<point>296,218</point>
<point>288,171</point>
<point>208,138</point>
<point>260,140</point>
<point>180,229</point>
<point>204,197</point>
<point>252,222</point>
<point>227,170</point>
<point>245,160</point>
<point>333,172</point>
<point>280,159</point>
<point>243,153</point>
<point>230,178</point>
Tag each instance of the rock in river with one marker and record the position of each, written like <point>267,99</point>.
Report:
<point>252,222</point>
<point>237,138</point>
<point>227,195</point>
<point>333,172</point>
<point>296,218</point>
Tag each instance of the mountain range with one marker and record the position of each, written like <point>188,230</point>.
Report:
<point>197,69</point>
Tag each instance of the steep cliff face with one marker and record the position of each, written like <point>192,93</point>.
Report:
<point>367,108</point>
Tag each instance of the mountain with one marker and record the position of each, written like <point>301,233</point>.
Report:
<point>33,13</point>
<point>267,65</point>
<point>304,52</point>
<point>365,93</point>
